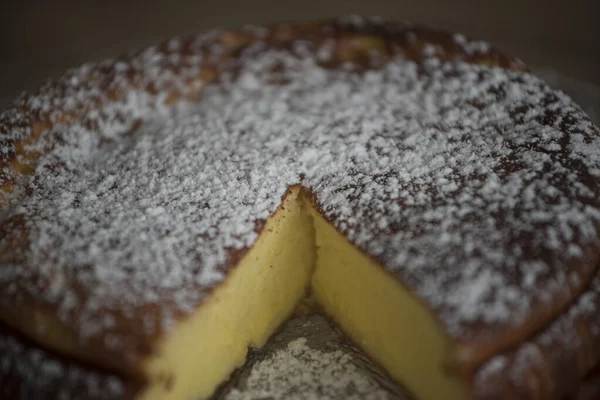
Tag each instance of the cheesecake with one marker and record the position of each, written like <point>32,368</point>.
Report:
<point>167,210</point>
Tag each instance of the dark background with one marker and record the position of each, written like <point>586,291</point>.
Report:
<point>40,39</point>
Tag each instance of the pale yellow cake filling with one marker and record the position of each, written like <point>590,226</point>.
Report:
<point>258,296</point>
<point>371,306</point>
<point>381,316</point>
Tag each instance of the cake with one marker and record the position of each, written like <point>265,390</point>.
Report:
<point>164,211</point>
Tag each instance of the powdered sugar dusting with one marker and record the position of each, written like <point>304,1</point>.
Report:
<point>475,185</point>
<point>300,372</point>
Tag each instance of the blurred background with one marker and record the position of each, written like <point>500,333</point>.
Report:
<point>41,38</point>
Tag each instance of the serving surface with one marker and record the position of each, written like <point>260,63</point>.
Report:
<point>464,176</point>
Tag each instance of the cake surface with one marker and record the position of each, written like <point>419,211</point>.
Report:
<point>136,189</point>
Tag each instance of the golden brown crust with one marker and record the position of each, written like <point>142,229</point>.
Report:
<point>550,364</point>
<point>29,372</point>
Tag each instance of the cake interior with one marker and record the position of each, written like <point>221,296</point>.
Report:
<point>259,294</point>
<point>299,252</point>
<point>382,316</point>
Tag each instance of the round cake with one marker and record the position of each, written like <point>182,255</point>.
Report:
<point>164,211</point>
